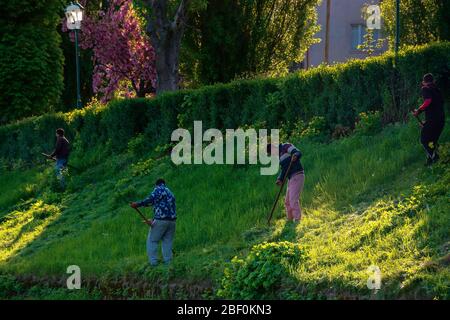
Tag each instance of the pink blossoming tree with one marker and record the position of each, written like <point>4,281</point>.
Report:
<point>123,57</point>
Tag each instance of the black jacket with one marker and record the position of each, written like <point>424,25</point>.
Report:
<point>286,151</point>
<point>62,149</point>
<point>435,111</point>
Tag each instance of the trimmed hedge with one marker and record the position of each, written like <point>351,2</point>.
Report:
<point>337,93</point>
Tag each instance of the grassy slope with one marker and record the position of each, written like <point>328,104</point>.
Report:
<point>353,219</point>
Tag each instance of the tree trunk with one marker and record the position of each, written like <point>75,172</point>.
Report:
<point>167,63</point>
<point>166,38</point>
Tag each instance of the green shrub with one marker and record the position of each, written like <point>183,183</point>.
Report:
<point>9,286</point>
<point>316,128</point>
<point>138,146</point>
<point>321,98</point>
<point>368,123</point>
<point>262,273</point>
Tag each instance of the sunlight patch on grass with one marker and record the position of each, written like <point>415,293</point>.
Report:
<point>340,247</point>
<point>357,211</point>
<point>20,228</point>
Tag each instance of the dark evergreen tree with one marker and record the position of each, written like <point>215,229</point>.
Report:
<point>31,59</point>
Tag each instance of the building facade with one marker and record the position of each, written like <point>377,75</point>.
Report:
<point>342,31</point>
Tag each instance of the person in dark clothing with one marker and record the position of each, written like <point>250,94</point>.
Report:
<point>433,106</point>
<point>61,153</point>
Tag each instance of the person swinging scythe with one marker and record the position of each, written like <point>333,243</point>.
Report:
<point>60,155</point>
<point>292,172</point>
<point>433,106</point>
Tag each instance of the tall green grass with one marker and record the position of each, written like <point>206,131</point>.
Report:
<point>351,189</point>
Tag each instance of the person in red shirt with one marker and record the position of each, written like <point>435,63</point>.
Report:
<point>433,106</point>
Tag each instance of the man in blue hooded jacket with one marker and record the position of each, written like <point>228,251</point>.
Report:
<point>163,223</point>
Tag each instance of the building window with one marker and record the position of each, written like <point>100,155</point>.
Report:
<point>358,33</point>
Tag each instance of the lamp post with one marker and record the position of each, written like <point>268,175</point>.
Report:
<point>397,28</point>
<point>74,15</point>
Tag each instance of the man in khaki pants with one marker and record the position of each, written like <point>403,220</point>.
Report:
<point>295,176</point>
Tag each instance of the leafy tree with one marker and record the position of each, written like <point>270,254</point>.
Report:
<point>31,60</point>
<point>166,25</point>
<point>122,54</point>
<point>370,44</point>
<point>443,16</point>
<point>233,38</point>
<point>421,21</point>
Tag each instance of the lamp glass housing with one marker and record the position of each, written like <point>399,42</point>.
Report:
<point>74,15</point>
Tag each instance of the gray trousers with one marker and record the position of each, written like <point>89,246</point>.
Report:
<point>162,230</point>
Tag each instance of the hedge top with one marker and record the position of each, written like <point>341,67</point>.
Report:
<point>337,93</point>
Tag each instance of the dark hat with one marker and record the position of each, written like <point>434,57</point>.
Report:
<point>160,182</point>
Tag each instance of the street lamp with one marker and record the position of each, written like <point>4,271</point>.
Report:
<point>397,28</point>
<point>74,16</point>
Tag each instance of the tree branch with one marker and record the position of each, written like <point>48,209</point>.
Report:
<point>180,15</point>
